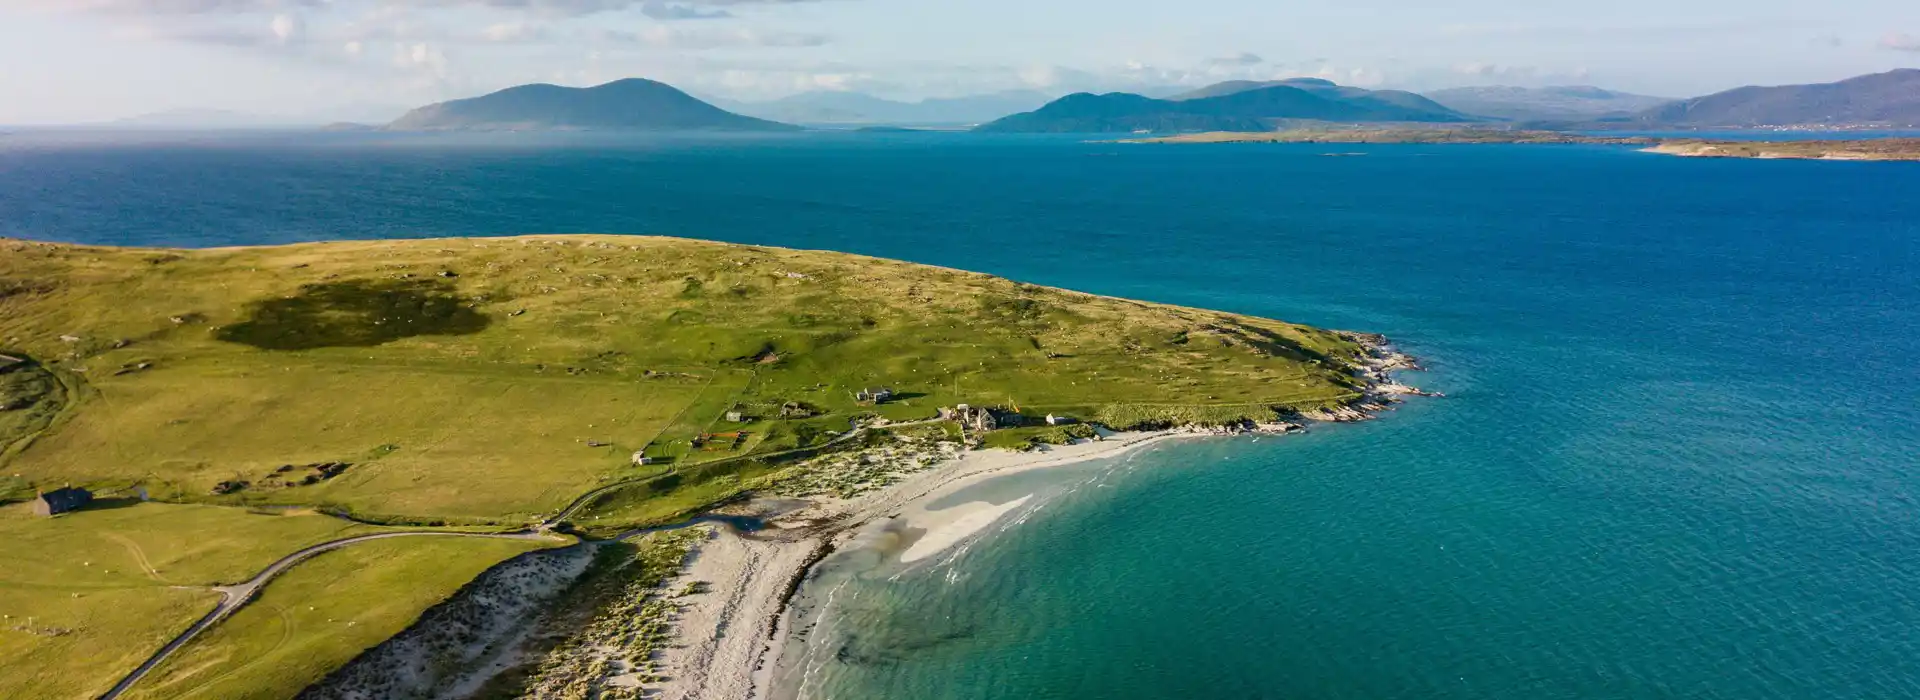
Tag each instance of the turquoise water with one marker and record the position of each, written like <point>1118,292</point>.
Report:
<point>1679,457</point>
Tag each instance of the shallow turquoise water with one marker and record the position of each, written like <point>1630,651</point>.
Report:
<point>1678,459</point>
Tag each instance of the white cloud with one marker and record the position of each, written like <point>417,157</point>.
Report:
<point>1521,75</point>
<point>670,37</point>
<point>510,32</point>
<point>174,7</point>
<point>580,8</point>
<point>425,58</point>
<point>1900,41</point>
<point>669,11</point>
<point>288,28</point>
<point>1242,59</point>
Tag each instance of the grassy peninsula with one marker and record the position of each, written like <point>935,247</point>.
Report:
<point>1434,136</point>
<point>232,406</point>
<point>1836,149</point>
<point>1848,149</point>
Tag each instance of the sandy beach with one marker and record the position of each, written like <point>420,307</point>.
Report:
<point>729,636</point>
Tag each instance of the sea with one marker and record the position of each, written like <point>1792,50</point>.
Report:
<point>1679,455</point>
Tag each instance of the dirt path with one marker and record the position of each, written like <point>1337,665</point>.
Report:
<point>581,502</point>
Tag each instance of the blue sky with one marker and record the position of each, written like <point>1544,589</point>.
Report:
<point>65,61</point>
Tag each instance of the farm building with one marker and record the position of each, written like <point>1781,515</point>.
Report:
<point>877,395</point>
<point>59,501</point>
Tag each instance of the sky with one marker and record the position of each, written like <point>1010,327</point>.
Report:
<point>78,61</point>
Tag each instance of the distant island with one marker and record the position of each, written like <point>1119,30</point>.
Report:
<point>1851,149</point>
<point>1888,100</point>
<point>634,104</point>
<point>1395,135</point>
<point>1233,106</point>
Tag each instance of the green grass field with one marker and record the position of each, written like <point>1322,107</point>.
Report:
<point>491,382</point>
<point>319,616</point>
<point>464,380</point>
<point>86,599</point>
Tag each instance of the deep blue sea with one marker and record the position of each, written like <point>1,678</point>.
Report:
<point>1680,456</point>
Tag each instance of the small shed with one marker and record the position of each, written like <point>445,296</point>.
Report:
<point>875,395</point>
<point>640,459</point>
<point>65,500</point>
<point>736,417</point>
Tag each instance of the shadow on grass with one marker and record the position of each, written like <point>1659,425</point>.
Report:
<point>361,313</point>
<point>111,504</point>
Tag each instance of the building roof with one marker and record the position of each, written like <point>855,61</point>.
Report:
<point>66,499</point>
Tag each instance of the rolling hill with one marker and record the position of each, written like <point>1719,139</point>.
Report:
<point>833,107</point>
<point>1548,103</point>
<point>1235,106</point>
<point>632,104</point>
<point>1890,99</point>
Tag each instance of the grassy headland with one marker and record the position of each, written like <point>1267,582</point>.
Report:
<point>1850,149</point>
<point>496,383</point>
<point>495,380</point>
<point>1433,136</point>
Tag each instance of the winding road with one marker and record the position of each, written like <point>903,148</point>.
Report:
<point>238,595</point>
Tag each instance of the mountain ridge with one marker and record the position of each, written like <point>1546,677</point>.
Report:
<point>1545,103</point>
<point>630,104</point>
<point>1222,107</point>
<point>857,108</point>
<point>1891,98</point>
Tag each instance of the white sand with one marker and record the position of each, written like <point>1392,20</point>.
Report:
<point>966,520</point>
<point>721,633</point>
<point>729,638</point>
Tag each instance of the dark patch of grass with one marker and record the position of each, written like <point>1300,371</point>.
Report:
<point>30,399</point>
<point>1013,308</point>
<point>10,287</point>
<point>361,313</point>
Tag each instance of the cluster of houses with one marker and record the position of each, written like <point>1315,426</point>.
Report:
<point>984,419</point>
<point>976,418</point>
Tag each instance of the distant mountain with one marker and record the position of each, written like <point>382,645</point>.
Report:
<point>631,104</point>
<point>1388,99</point>
<point>1889,99</point>
<point>853,108</point>
<point>1239,106</point>
<point>1573,102</point>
